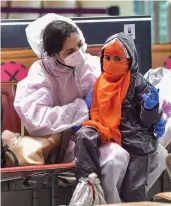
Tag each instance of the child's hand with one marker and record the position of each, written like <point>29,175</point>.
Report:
<point>151,99</point>
<point>159,128</point>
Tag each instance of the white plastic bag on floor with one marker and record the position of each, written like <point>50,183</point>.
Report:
<point>88,192</point>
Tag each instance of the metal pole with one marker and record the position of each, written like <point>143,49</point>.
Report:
<point>9,3</point>
<point>142,7</point>
<point>78,5</point>
<point>156,21</point>
<point>36,197</point>
<point>169,21</point>
<point>55,190</point>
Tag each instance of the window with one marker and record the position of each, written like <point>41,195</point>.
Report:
<point>146,8</point>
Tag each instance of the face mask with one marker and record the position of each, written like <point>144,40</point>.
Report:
<point>115,63</point>
<point>115,69</point>
<point>75,59</point>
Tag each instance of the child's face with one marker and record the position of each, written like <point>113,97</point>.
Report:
<point>115,62</point>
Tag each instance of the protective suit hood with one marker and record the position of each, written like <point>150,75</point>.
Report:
<point>129,44</point>
<point>35,28</point>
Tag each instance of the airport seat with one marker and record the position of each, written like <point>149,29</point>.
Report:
<point>11,121</point>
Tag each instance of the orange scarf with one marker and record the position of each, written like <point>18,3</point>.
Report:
<point>109,93</point>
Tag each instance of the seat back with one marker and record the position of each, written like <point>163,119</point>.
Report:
<point>11,120</point>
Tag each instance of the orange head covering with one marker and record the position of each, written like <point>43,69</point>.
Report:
<point>109,93</point>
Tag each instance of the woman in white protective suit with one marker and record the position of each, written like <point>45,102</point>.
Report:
<point>53,97</point>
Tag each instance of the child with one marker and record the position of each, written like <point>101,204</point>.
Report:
<point>124,109</point>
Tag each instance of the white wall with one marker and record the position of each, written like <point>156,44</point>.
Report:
<point>60,4</point>
<point>3,4</point>
<point>32,4</point>
<point>37,4</point>
<point>126,7</point>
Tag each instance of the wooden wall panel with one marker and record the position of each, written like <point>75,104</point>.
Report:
<point>22,56</point>
<point>160,53</point>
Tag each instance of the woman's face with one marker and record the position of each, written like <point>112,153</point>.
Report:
<point>71,45</point>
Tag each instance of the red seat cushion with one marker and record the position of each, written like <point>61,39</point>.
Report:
<point>11,120</point>
<point>13,72</point>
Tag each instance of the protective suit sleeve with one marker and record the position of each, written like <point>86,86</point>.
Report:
<point>34,105</point>
<point>147,117</point>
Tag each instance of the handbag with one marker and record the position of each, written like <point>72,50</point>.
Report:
<point>28,150</point>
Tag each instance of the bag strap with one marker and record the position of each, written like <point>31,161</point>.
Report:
<point>14,156</point>
<point>22,129</point>
<point>6,149</point>
<point>3,151</point>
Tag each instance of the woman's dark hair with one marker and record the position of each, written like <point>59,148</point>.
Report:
<point>55,34</point>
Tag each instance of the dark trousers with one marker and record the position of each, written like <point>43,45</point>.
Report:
<point>86,152</point>
<point>135,181</point>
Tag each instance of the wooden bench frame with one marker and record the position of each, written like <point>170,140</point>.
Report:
<point>27,172</point>
<point>49,171</point>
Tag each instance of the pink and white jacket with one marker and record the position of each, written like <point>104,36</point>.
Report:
<point>51,100</point>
